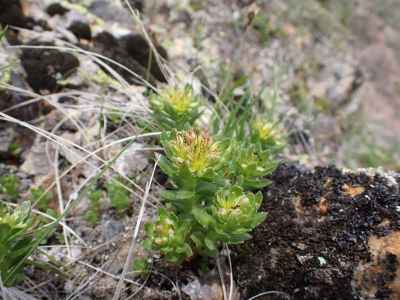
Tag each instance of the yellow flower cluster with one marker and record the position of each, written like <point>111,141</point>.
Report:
<point>229,206</point>
<point>265,130</point>
<point>181,101</point>
<point>196,150</point>
<point>164,230</point>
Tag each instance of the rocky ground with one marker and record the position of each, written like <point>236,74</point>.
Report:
<point>328,70</point>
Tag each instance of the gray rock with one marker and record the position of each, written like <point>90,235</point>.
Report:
<point>112,228</point>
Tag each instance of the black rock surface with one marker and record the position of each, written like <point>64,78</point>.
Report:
<point>319,236</point>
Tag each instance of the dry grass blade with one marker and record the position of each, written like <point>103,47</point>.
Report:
<point>221,277</point>
<point>61,201</point>
<point>230,272</point>
<point>98,58</point>
<point>163,66</point>
<point>116,277</point>
<point>270,293</point>
<point>53,219</point>
<point>129,259</point>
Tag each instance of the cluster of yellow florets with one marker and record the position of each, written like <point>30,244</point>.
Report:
<point>180,100</point>
<point>229,206</point>
<point>265,130</point>
<point>164,231</point>
<point>196,150</point>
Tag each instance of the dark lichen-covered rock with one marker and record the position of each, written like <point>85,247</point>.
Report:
<point>328,235</point>
<point>10,98</point>
<point>136,56</point>
<point>107,45</point>
<point>81,30</point>
<point>11,13</point>
<point>45,66</point>
<point>56,9</point>
<point>139,49</point>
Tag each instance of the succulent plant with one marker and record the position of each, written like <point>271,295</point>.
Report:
<point>266,134</point>
<point>168,235</point>
<point>209,203</point>
<point>248,164</point>
<point>192,150</point>
<point>17,241</point>
<point>175,108</point>
<point>236,214</point>
<point>9,185</point>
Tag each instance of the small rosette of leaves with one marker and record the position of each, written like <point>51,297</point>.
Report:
<point>119,196</point>
<point>230,219</point>
<point>248,164</point>
<point>16,243</point>
<point>94,211</point>
<point>175,108</point>
<point>267,135</point>
<point>236,214</point>
<point>9,185</point>
<point>191,156</point>
<point>169,235</point>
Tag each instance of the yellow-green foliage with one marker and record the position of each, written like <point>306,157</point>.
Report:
<point>17,241</point>
<point>93,213</point>
<point>193,150</point>
<point>213,176</point>
<point>9,185</point>
<point>118,195</point>
<point>175,108</point>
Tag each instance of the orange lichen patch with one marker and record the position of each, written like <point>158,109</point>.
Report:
<point>352,191</point>
<point>395,287</point>
<point>389,243</point>
<point>385,264</point>
<point>323,206</point>
<point>384,223</point>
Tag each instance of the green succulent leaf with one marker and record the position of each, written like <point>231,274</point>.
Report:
<point>2,32</point>
<point>202,217</point>
<point>210,244</point>
<point>18,239</point>
<point>253,184</point>
<point>166,167</point>
<point>9,185</point>
<point>177,195</point>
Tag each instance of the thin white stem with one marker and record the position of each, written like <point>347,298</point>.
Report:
<point>129,259</point>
